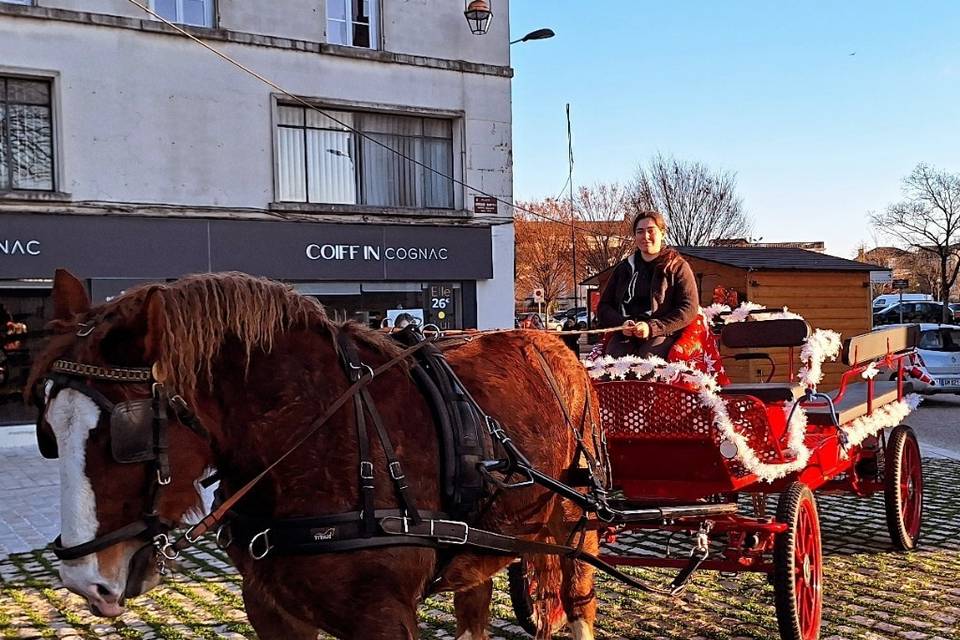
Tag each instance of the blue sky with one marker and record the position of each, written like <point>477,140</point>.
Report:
<point>816,136</point>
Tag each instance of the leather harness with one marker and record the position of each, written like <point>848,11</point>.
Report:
<point>468,437</point>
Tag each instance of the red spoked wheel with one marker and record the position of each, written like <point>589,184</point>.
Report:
<point>798,566</point>
<point>903,490</point>
<point>523,589</point>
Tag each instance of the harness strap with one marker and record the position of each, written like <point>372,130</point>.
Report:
<point>211,520</point>
<point>316,535</point>
<point>366,476</point>
<point>161,445</point>
<point>459,533</point>
<point>99,543</point>
<point>393,462</point>
<point>353,366</point>
<point>577,434</point>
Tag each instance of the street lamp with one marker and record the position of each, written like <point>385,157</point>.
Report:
<point>539,34</point>
<point>478,16</point>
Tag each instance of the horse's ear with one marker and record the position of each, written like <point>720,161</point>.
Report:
<point>69,296</point>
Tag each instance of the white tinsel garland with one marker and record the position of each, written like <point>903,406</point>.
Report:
<point>821,345</point>
<point>658,370</point>
<point>889,415</point>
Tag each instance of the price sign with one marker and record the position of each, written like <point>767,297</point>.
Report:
<point>901,284</point>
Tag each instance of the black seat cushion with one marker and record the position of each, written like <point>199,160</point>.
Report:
<point>764,391</point>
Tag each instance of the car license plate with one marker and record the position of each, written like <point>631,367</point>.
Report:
<point>948,382</point>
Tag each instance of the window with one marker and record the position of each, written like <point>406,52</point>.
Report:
<point>27,2</point>
<point>353,23</point>
<point>197,13</point>
<point>321,159</point>
<point>26,135</point>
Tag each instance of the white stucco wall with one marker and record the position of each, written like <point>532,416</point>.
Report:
<point>434,28</point>
<point>154,118</point>
<point>495,297</point>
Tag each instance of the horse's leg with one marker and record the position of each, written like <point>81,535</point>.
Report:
<point>577,591</point>
<point>269,621</point>
<point>472,608</point>
<point>386,620</point>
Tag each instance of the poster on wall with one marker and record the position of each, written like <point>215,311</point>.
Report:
<point>403,316</point>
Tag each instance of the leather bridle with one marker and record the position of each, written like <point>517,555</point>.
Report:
<point>139,434</point>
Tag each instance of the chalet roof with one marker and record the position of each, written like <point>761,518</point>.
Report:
<point>777,259</point>
<point>765,259</point>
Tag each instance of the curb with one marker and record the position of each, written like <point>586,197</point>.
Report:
<point>19,435</point>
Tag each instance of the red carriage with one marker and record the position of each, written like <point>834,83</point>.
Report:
<point>675,439</point>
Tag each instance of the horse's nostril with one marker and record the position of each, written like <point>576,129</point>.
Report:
<point>103,591</point>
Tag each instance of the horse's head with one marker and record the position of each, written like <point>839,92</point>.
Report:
<point>129,455</point>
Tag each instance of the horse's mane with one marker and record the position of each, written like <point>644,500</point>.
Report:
<point>198,313</point>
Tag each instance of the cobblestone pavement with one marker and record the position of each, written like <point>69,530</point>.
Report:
<point>871,592</point>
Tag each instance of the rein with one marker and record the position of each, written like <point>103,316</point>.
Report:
<point>171,549</point>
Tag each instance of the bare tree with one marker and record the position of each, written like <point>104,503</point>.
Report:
<point>928,221</point>
<point>543,254</point>
<point>602,213</point>
<point>700,204</point>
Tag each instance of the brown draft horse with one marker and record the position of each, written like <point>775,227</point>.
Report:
<point>257,364</point>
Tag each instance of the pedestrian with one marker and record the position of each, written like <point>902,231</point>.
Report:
<point>652,295</point>
<point>403,319</point>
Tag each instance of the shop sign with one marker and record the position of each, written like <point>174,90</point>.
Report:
<point>33,246</point>
<point>151,248</point>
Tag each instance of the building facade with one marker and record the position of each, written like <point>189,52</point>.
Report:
<point>363,176</point>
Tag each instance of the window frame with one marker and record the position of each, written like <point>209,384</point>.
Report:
<point>212,13</point>
<point>53,105</point>
<point>457,153</point>
<point>375,24</point>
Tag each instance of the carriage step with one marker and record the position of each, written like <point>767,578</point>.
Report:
<point>674,512</point>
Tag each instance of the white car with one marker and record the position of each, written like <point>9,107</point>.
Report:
<point>940,350</point>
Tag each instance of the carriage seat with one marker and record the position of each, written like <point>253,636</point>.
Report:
<point>766,392</point>
<point>853,404</point>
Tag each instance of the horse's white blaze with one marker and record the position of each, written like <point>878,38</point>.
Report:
<point>580,630</point>
<point>466,636</point>
<point>72,415</point>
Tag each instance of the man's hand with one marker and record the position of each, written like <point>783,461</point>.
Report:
<point>629,327</point>
<point>642,330</point>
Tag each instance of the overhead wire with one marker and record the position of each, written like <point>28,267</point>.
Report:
<point>304,103</point>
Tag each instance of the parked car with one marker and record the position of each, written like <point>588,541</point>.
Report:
<point>913,312</point>
<point>955,307</point>
<point>940,350</point>
<point>883,301</point>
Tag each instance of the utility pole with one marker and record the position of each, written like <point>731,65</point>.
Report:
<point>573,226</point>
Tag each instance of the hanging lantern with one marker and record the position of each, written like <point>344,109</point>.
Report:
<point>478,16</point>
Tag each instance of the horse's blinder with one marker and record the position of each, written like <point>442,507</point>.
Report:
<point>132,437</point>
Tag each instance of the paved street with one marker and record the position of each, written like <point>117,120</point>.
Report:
<point>870,593</point>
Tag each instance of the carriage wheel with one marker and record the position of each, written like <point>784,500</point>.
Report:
<point>798,566</point>
<point>903,490</point>
<point>523,586</point>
